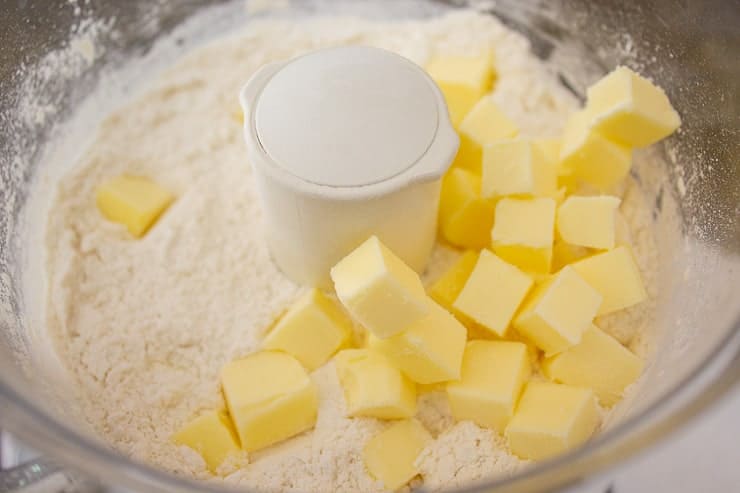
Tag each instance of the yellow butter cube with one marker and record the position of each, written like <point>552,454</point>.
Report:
<point>551,419</point>
<point>133,201</point>
<point>492,378</point>
<point>560,195</point>
<point>445,289</point>
<point>598,362</point>
<point>212,435</point>
<point>517,167</point>
<point>533,351</point>
<point>463,81</point>
<point>312,330</point>
<point>493,292</point>
<point>558,312</point>
<point>524,231</point>
<point>430,387</point>
<point>430,350</point>
<point>615,275</point>
<point>390,455</point>
<point>550,149</point>
<point>568,182</point>
<point>373,386</point>
<point>484,125</point>
<point>630,109</point>
<point>589,221</point>
<point>589,156</point>
<point>379,290</point>
<point>564,253</point>
<point>270,398</point>
<point>465,219</point>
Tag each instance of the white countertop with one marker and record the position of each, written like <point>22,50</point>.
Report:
<point>703,457</point>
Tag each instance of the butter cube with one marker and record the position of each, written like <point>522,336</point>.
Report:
<point>589,156</point>
<point>568,181</point>
<point>463,80</point>
<point>523,233</point>
<point>533,351</point>
<point>429,388</point>
<point>493,292</point>
<point>517,167</point>
<point>379,290</point>
<point>445,289</point>
<point>564,253</point>
<point>373,386</point>
<point>133,201</point>
<point>389,456</point>
<point>492,378</point>
<point>551,419</point>
<point>589,221</point>
<point>312,330</point>
<point>212,435</point>
<point>615,275</point>
<point>630,109</point>
<point>430,350</point>
<point>484,125</point>
<point>550,149</point>
<point>560,195</point>
<point>465,219</point>
<point>558,312</point>
<point>270,398</point>
<point>598,362</point>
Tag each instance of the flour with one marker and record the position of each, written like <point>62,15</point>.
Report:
<point>463,454</point>
<point>434,412</point>
<point>144,326</point>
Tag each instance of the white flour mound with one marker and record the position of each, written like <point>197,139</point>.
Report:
<point>145,325</point>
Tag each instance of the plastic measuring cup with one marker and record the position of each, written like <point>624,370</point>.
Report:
<point>346,143</point>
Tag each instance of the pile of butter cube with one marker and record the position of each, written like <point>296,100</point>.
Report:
<point>507,332</point>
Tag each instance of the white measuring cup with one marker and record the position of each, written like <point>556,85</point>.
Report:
<point>346,143</point>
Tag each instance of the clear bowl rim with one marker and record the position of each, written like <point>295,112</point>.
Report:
<point>717,374</point>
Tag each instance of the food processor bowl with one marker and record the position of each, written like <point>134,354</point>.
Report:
<point>48,66</point>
